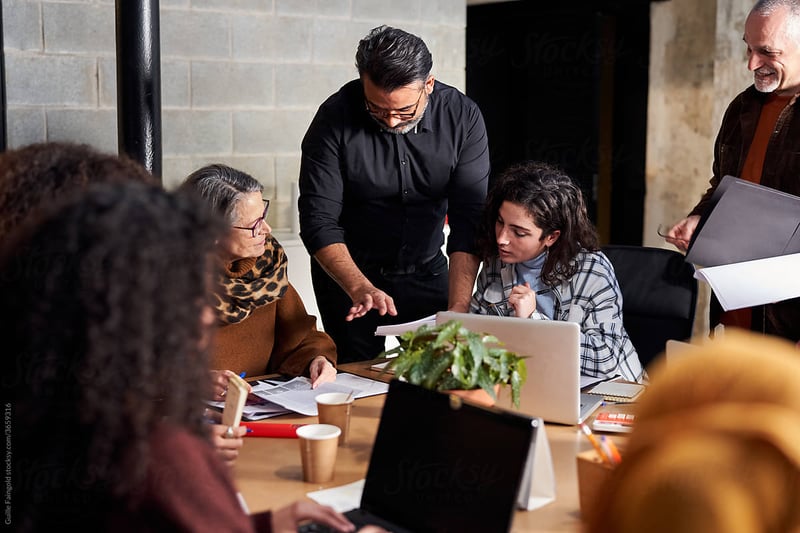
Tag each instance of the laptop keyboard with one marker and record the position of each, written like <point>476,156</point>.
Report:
<point>358,517</point>
<point>589,403</point>
<point>315,528</point>
<point>355,516</point>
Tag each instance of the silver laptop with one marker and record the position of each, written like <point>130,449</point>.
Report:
<point>552,351</point>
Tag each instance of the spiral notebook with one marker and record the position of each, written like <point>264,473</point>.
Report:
<point>616,391</point>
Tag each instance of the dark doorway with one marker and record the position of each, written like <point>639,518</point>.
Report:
<point>567,83</point>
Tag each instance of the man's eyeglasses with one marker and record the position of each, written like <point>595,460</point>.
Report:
<point>257,226</point>
<point>386,113</point>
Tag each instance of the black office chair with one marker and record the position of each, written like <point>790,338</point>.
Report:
<point>659,296</point>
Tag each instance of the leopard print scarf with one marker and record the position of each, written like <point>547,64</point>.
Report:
<point>252,282</point>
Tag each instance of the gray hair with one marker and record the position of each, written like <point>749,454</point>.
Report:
<point>222,187</point>
<point>766,8</point>
<point>393,58</point>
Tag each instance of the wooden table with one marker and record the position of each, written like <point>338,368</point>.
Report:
<point>269,475</point>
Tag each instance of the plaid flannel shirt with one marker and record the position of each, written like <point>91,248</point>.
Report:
<point>591,298</point>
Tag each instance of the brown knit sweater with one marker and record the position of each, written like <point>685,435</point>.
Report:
<point>277,337</point>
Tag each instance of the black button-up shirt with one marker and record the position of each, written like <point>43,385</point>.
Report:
<point>386,195</point>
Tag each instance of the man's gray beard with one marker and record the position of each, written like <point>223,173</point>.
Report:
<point>404,127</point>
<point>765,88</point>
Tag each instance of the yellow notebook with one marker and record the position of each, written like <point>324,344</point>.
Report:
<point>235,399</point>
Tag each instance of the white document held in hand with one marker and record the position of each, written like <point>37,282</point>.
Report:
<point>751,283</point>
<point>399,329</point>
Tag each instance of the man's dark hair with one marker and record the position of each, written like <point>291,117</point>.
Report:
<point>554,202</point>
<point>393,58</point>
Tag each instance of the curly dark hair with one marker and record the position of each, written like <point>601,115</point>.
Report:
<point>100,305</point>
<point>393,58</point>
<point>37,174</point>
<point>554,202</point>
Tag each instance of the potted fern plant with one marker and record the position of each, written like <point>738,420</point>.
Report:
<point>449,357</point>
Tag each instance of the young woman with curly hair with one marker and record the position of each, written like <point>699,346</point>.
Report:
<point>542,261</point>
<point>104,312</point>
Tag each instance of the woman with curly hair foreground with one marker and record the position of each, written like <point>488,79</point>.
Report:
<point>105,308</point>
<point>35,177</point>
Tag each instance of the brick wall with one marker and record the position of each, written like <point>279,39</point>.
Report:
<point>240,79</point>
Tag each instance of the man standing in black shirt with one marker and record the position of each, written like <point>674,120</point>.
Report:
<point>384,160</point>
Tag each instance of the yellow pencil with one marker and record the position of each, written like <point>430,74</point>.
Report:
<point>613,451</point>
<point>595,443</point>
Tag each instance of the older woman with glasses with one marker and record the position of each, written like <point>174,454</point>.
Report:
<point>263,324</point>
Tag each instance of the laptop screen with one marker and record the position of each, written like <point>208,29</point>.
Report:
<point>442,465</point>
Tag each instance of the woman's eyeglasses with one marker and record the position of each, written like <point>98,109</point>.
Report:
<point>257,226</point>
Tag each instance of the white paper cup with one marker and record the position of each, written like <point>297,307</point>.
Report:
<point>334,408</point>
<point>318,445</point>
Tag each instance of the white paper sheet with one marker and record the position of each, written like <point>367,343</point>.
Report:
<point>342,498</point>
<point>399,329</point>
<point>751,283</point>
<point>274,397</point>
<point>298,396</point>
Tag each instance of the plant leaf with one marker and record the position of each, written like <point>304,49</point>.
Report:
<point>449,356</point>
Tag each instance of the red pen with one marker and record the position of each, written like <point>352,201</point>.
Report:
<point>267,429</point>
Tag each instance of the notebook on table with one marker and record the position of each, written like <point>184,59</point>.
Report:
<point>441,465</point>
<point>552,351</point>
<point>619,392</point>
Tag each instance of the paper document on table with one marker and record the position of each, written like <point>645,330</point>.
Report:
<point>298,396</point>
<point>256,408</point>
<point>587,381</point>
<point>399,329</point>
<point>757,282</point>
<point>366,386</point>
<point>343,498</point>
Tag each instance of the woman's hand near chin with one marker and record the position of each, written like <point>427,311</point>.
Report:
<point>321,371</point>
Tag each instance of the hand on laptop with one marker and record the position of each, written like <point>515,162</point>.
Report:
<point>286,519</point>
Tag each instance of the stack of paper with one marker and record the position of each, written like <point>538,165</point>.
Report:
<point>272,398</point>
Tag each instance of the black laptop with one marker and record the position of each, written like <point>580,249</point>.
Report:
<point>441,465</point>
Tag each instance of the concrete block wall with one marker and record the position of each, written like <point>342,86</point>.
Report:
<point>698,64</point>
<point>240,79</point>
